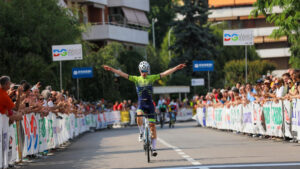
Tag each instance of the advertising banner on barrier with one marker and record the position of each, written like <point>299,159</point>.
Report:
<point>184,114</point>
<point>276,119</point>
<point>247,118</point>
<point>236,118</point>
<point>267,117</point>
<point>296,107</point>
<point>217,116</point>
<point>200,116</point>
<point>258,121</point>
<point>1,143</point>
<point>297,114</point>
<point>226,118</point>
<point>132,117</point>
<point>125,117</point>
<point>287,114</point>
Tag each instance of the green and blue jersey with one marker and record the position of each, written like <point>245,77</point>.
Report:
<point>143,85</point>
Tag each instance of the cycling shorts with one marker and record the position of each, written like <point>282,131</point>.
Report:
<point>147,107</point>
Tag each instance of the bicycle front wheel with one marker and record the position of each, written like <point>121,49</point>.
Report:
<point>147,145</point>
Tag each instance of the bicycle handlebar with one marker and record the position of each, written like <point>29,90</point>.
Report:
<point>146,115</point>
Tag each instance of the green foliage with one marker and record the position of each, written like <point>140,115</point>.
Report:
<point>165,53</point>
<point>103,84</point>
<point>164,12</point>
<point>194,38</point>
<point>154,60</point>
<point>235,71</point>
<point>294,62</point>
<point>130,61</point>
<point>287,21</point>
<point>28,30</point>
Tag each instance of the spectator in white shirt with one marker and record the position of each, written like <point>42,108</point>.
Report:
<point>279,91</point>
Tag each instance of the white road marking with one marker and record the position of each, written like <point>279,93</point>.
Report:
<point>180,152</point>
<point>236,165</point>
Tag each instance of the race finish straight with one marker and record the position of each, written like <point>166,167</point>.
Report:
<point>144,89</point>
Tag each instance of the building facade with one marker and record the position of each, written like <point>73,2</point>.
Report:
<point>236,14</point>
<point>108,21</point>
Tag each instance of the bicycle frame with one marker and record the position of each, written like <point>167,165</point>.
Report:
<point>147,137</point>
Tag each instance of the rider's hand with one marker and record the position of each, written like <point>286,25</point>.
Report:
<point>106,67</point>
<point>180,66</point>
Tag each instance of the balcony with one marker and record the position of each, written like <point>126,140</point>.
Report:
<point>142,5</point>
<point>115,32</point>
<point>102,2</point>
<point>235,12</point>
<point>274,53</point>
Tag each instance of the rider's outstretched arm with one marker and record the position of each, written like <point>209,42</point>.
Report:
<point>172,70</point>
<point>108,68</point>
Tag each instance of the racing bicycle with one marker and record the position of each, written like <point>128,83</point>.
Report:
<point>147,146</point>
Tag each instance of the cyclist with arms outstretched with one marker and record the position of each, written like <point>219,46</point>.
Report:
<point>144,90</point>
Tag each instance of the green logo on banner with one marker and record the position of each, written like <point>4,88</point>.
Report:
<point>267,114</point>
<point>277,117</point>
<point>76,125</point>
<point>42,128</point>
<point>50,130</point>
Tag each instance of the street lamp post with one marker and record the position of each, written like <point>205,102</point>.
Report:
<point>153,31</point>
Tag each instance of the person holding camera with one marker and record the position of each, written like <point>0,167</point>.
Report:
<point>6,94</point>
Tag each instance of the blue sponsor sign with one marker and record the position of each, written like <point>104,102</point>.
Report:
<point>203,65</point>
<point>82,72</point>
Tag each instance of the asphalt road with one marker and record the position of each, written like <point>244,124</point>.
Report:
<point>185,146</point>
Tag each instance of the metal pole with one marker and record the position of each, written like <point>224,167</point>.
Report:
<point>246,63</point>
<point>180,96</point>
<point>208,81</point>
<point>153,32</point>
<point>77,88</point>
<point>60,70</point>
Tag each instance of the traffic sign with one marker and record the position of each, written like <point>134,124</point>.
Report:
<point>82,72</point>
<point>203,65</point>
<point>198,82</point>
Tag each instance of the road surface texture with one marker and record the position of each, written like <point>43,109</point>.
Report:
<point>185,146</point>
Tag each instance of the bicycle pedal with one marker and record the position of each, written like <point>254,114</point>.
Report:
<point>154,153</point>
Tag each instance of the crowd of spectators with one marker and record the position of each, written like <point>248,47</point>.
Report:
<point>19,99</point>
<point>268,88</point>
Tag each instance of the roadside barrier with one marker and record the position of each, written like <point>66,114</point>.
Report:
<point>36,134</point>
<point>279,119</point>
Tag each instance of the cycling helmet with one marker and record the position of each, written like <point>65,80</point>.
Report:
<point>144,66</point>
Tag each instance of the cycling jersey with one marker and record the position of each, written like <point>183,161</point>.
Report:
<point>144,91</point>
<point>144,86</point>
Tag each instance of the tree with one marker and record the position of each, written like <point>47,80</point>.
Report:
<point>28,30</point>
<point>165,53</point>
<point>104,84</point>
<point>235,71</point>
<point>194,38</point>
<point>163,11</point>
<point>288,22</point>
<point>129,61</point>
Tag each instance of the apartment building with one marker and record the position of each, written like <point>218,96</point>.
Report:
<point>122,21</point>
<point>236,14</point>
